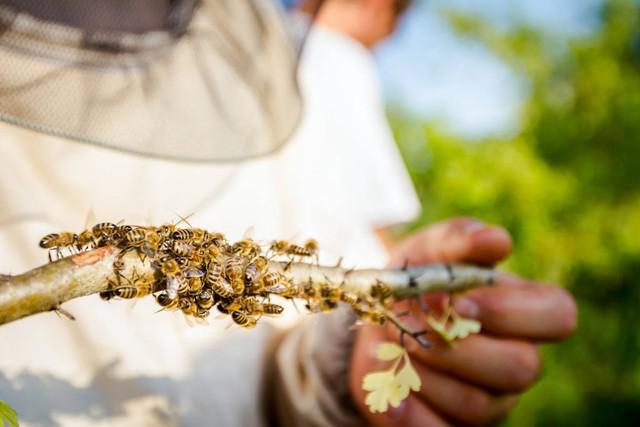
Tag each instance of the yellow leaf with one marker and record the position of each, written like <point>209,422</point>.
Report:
<point>389,351</point>
<point>382,390</point>
<point>377,380</point>
<point>390,387</point>
<point>396,393</point>
<point>408,376</point>
<point>440,328</point>
<point>377,401</point>
<point>461,327</point>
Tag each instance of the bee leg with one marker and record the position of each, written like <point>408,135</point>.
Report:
<point>293,301</point>
<point>59,310</point>
<point>286,267</point>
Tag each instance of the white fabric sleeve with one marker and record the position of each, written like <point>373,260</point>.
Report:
<point>310,384</point>
<point>341,85</point>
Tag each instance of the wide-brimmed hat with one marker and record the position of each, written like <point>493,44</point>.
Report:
<point>217,84</point>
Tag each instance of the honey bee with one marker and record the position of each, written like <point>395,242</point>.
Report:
<point>152,243</point>
<point>293,290</point>
<point>243,320</point>
<point>137,286</point>
<point>212,252</point>
<point>222,288</point>
<point>309,249</point>
<point>87,240</point>
<point>108,294</point>
<point>104,229</point>
<point>181,248</point>
<point>199,236</point>
<point>329,292</point>
<point>317,306</point>
<point>205,300</point>
<point>282,247</point>
<point>234,269</point>
<point>126,292</point>
<point>311,246</point>
<point>166,230</point>
<point>349,298</point>
<point>215,279</point>
<point>274,282</point>
<point>202,313</point>
<point>58,241</point>
<point>193,272</point>
<point>166,302</point>
<point>254,269</point>
<point>183,286</point>
<point>254,307</point>
<point>216,239</point>
<point>229,305</point>
<point>279,247</point>
<point>182,262</point>
<point>380,291</point>
<point>176,285</point>
<point>182,234</point>
<point>274,309</point>
<point>187,306</point>
<point>245,248</point>
<point>372,315</point>
<point>195,285</point>
<point>309,290</point>
<point>197,258</point>
<point>134,237</point>
<point>169,267</point>
<point>144,283</point>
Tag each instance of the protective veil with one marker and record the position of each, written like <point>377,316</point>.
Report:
<point>214,82</point>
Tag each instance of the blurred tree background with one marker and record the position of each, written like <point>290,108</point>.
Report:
<point>567,186</point>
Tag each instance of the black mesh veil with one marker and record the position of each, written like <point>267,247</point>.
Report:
<point>214,82</point>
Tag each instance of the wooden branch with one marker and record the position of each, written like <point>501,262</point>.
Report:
<point>45,288</point>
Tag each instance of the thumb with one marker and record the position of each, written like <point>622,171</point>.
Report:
<point>455,240</point>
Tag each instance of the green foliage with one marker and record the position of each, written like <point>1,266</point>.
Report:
<point>8,416</point>
<point>568,188</point>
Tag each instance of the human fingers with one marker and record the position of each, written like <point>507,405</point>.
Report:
<point>461,401</point>
<point>455,240</point>
<point>500,364</point>
<point>411,412</point>
<point>520,308</point>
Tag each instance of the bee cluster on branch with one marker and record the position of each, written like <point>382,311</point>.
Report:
<point>196,270</point>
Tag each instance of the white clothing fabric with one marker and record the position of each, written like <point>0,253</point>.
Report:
<point>337,179</point>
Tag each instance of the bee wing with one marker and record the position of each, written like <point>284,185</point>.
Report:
<point>90,219</point>
<point>190,320</point>
<point>278,288</point>
<point>193,272</point>
<point>293,301</point>
<point>249,232</point>
<point>173,283</point>
<point>226,285</point>
<point>132,304</point>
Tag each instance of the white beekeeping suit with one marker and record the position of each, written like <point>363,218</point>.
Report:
<point>116,365</point>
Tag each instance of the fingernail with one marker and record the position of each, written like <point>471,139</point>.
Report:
<point>473,226</point>
<point>398,414</point>
<point>466,307</point>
